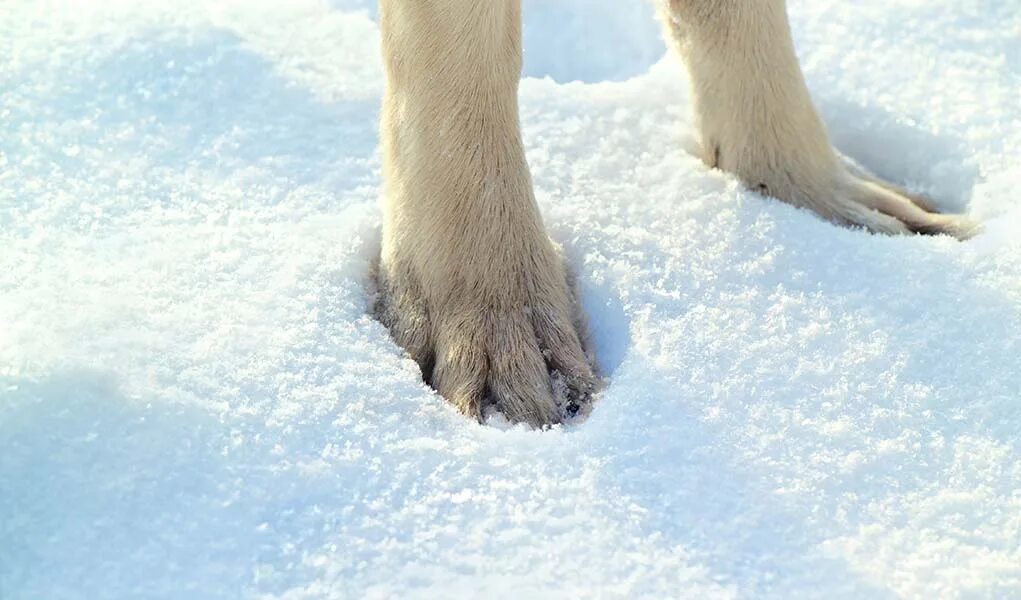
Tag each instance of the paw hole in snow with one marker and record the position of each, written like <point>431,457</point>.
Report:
<point>607,327</point>
<point>590,40</point>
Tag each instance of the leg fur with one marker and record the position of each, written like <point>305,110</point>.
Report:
<point>756,119</point>
<point>471,285</point>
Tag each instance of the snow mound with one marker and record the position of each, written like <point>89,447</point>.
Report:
<point>194,402</point>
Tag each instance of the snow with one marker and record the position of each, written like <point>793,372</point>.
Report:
<point>195,404</point>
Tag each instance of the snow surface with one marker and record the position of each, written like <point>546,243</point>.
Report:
<point>195,404</point>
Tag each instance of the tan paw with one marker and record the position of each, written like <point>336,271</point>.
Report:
<point>915,213</point>
<point>856,199</point>
<point>521,353</point>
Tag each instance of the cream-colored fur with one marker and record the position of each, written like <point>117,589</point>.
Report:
<point>471,286</point>
<point>756,119</point>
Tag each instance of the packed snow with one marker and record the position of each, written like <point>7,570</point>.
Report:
<point>194,402</point>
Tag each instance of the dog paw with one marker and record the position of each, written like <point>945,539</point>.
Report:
<point>516,347</point>
<point>912,213</point>
<point>854,198</point>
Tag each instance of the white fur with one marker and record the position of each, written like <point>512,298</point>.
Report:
<point>756,119</point>
<point>470,284</point>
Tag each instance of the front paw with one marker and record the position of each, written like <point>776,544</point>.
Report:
<point>915,213</point>
<point>882,207</point>
<point>849,196</point>
<point>517,349</point>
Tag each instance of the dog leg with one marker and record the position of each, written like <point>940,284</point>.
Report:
<point>756,119</point>
<point>471,285</point>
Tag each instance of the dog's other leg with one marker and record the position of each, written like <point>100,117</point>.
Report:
<point>756,119</point>
<point>471,285</point>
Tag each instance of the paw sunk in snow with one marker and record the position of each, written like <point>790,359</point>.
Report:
<point>516,347</point>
